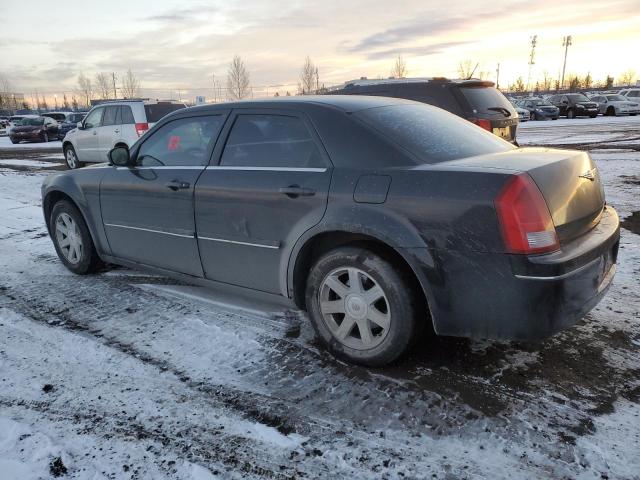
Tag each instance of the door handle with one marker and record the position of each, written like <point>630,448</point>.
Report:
<point>95,132</point>
<point>294,191</point>
<point>176,185</point>
<point>116,131</point>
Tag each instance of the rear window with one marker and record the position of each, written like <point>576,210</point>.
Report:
<point>431,134</point>
<point>485,99</point>
<point>156,111</point>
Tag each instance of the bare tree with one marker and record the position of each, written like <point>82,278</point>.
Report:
<point>626,78</point>
<point>65,101</point>
<point>519,85</point>
<point>130,86</point>
<point>587,82</point>
<point>85,88</point>
<point>103,85</point>
<point>307,80</point>
<point>237,80</point>
<point>546,81</point>
<point>466,69</point>
<point>609,82</point>
<point>574,83</point>
<point>5,93</point>
<point>399,69</point>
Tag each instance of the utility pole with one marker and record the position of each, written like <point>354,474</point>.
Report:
<point>532,59</point>
<point>566,43</point>
<point>498,76</point>
<point>113,76</point>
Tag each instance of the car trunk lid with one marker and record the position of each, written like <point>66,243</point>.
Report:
<point>569,181</point>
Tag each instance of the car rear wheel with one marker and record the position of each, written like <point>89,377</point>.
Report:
<point>361,307</point>
<point>611,112</point>
<point>570,114</point>
<point>71,158</point>
<point>72,239</point>
<point>45,137</point>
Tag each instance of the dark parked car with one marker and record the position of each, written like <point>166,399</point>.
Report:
<point>70,123</point>
<point>38,129</point>
<point>540,109</point>
<point>573,105</point>
<point>378,216</point>
<point>474,100</point>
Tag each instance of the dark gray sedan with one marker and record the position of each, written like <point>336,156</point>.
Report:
<point>378,216</point>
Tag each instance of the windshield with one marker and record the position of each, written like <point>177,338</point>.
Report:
<point>431,134</point>
<point>486,99</point>
<point>616,98</point>
<point>578,97</point>
<point>31,122</point>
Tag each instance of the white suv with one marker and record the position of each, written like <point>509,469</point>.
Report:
<point>110,124</point>
<point>631,93</point>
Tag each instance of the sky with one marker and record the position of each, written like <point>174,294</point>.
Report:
<point>175,47</point>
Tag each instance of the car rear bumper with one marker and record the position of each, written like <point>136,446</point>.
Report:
<point>517,297</point>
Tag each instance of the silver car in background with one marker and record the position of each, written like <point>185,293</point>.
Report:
<point>615,104</point>
<point>115,123</point>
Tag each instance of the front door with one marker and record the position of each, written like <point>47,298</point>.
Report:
<point>107,133</point>
<point>148,209</point>
<point>87,138</point>
<point>270,186</point>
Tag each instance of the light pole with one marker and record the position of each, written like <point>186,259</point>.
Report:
<point>566,43</point>
<point>534,41</point>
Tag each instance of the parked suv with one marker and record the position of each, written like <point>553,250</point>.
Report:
<point>70,123</point>
<point>111,124</point>
<point>631,93</point>
<point>475,100</point>
<point>573,105</point>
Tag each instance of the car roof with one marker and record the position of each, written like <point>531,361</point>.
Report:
<point>346,103</point>
<point>362,82</point>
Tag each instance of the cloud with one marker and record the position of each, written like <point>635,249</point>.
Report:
<point>417,51</point>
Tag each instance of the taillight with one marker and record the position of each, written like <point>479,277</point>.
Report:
<point>141,128</point>
<point>524,217</point>
<point>482,123</point>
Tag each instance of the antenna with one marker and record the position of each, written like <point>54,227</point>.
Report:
<point>566,43</point>
<point>532,59</point>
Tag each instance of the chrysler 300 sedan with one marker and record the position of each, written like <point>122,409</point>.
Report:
<point>377,216</point>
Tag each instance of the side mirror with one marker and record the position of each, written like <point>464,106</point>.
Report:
<point>79,125</point>
<point>119,156</point>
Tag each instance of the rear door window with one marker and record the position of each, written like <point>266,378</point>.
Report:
<point>270,141</point>
<point>155,111</point>
<point>126,115</point>
<point>430,134</point>
<point>110,114</point>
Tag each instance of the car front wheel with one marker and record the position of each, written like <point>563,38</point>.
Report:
<point>72,239</point>
<point>71,158</point>
<point>570,114</point>
<point>362,308</point>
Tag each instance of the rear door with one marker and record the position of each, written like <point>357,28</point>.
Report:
<point>109,130</point>
<point>269,186</point>
<point>148,209</point>
<point>87,138</point>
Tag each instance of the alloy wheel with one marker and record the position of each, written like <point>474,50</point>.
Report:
<point>71,158</point>
<point>69,238</point>
<point>355,308</point>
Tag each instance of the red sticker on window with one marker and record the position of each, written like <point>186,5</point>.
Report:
<point>174,142</point>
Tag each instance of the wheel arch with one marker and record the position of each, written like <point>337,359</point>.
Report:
<point>323,241</point>
<point>55,193</point>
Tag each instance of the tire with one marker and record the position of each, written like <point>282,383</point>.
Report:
<point>71,159</point>
<point>571,114</point>
<point>72,240</point>
<point>45,137</point>
<point>14,141</point>
<point>392,302</point>
<point>611,112</point>
<point>632,114</point>
<point>534,117</point>
<point>593,116</point>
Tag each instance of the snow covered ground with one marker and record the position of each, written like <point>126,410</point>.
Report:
<point>130,375</point>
